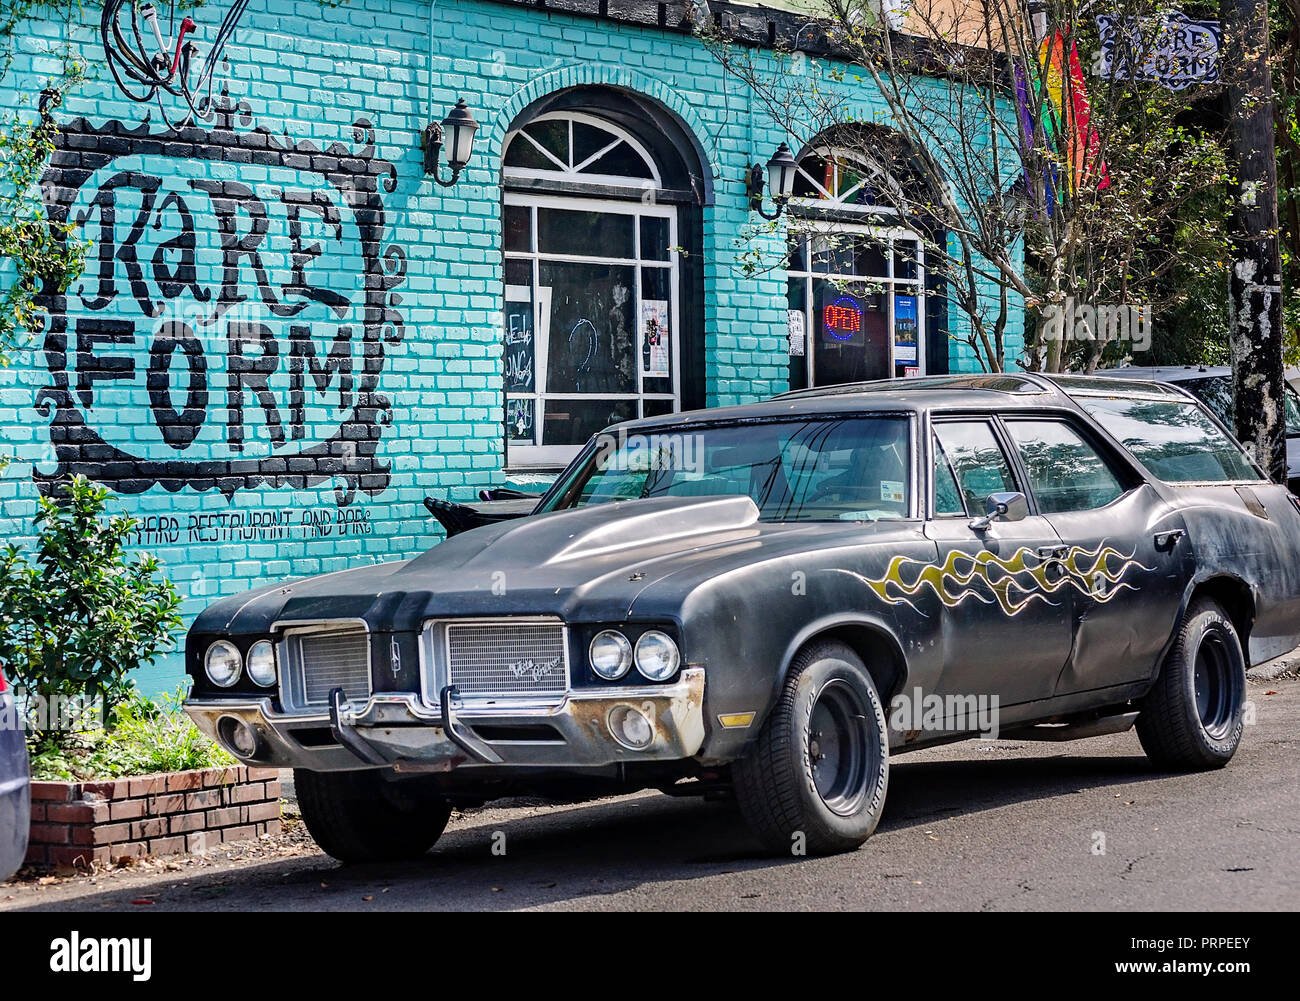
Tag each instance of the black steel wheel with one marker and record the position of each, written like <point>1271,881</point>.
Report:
<point>363,816</point>
<point>1193,716</point>
<point>815,780</point>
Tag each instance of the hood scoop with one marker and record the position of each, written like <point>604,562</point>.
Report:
<point>649,523</point>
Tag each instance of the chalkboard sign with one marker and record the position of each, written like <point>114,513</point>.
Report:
<point>520,341</point>
<point>592,327</point>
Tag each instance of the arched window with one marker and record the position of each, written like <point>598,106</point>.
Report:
<point>602,318</point>
<point>577,148</point>
<point>857,283</point>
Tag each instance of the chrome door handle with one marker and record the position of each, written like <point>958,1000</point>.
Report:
<point>1166,541</point>
<point>1052,552</point>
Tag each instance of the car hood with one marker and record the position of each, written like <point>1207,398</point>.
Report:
<point>588,564</point>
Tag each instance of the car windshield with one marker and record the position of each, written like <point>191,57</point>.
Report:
<point>1216,393</point>
<point>816,469</point>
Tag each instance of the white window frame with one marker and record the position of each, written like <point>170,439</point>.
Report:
<point>550,456</point>
<point>841,202</point>
<point>889,285</point>
<point>574,172</point>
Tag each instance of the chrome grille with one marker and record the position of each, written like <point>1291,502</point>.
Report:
<point>324,661</point>
<point>504,658</point>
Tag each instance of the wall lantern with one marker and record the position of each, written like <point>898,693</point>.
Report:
<point>457,131</point>
<point>780,181</point>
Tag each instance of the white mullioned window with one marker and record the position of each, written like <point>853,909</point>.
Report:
<point>592,316</point>
<point>856,293</point>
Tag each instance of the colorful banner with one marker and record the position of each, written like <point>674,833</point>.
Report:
<point>1065,117</point>
<point>1082,152</point>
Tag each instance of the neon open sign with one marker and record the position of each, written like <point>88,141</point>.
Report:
<point>842,319</point>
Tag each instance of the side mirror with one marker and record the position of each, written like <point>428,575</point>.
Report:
<point>1002,507</point>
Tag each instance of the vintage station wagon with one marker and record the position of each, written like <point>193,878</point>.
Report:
<point>743,601</point>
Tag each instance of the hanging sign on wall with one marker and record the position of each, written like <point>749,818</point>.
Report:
<point>1173,51</point>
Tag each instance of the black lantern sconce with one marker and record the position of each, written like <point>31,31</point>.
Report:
<point>780,181</point>
<point>457,131</point>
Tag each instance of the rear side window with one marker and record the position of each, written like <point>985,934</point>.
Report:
<point>1065,472</point>
<point>1177,441</point>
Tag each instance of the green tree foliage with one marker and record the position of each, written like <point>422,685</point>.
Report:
<point>35,253</point>
<point>1284,19</point>
<point>77,615</point>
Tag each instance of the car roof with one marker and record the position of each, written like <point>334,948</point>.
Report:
<point>998,392</point>
<point>1167,373</point>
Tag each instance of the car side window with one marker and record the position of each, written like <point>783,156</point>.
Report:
<point>947,495</point>
<point>1065,472</point>
<point>977,461</point>
<point>1176,440</point>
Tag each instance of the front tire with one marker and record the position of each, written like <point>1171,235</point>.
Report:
<point>362,817</point>
<point>816,778</point>
<point>1193,717</point>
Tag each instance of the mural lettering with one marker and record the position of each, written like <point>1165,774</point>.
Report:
<point>238,316</point>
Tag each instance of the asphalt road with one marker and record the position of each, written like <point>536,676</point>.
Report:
<point>978,826</point>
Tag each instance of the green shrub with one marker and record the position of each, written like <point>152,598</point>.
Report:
<point>77,615</point>
<point>147,737</point>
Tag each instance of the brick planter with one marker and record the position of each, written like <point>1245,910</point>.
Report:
<point>80,823</point>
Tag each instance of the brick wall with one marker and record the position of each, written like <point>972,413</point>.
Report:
<point>97,823</point>
<point>259,431</point>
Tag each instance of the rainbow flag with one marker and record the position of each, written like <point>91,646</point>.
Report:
<point>1069,127</point>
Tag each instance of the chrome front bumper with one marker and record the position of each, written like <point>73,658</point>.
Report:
<point>399,730</point>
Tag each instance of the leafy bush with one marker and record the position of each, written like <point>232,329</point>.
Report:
<point>77,616</point>
<point>147,737</point>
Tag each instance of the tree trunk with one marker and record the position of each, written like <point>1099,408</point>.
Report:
<point>1255,293</point>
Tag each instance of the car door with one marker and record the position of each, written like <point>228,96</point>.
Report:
<point>1126,553</point>
<point>1007,626</point>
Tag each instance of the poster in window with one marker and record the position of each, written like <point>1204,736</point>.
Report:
<point>795,327</point>
<point>520,340</point>
<point>519,420</point>
<point>905,330</point>
<point>654,338</point>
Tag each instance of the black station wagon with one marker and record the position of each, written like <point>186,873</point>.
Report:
<point>769,602</point>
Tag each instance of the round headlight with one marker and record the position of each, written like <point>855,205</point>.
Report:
<point>223,663</point>
<point>261,663</point>
<point>611,654</point>
<point>657,656</point>
<point>630,727</point>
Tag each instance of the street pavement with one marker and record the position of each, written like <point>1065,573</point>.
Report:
<point>979,825</point>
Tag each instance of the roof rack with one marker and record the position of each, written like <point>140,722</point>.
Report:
<point>1011,383</point>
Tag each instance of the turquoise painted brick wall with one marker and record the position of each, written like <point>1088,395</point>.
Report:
<point>314,473</point>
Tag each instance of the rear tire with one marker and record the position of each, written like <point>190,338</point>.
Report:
<point>362,817</point>
<point>816,778</point>
<point>1192,719</point>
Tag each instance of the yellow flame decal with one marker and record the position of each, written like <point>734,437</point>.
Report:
<point>1012,583</point>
